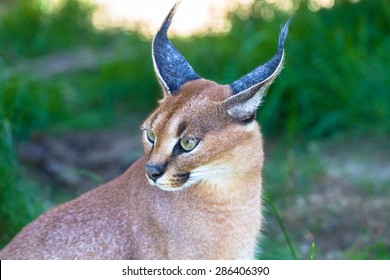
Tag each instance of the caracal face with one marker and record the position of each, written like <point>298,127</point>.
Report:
<point>191,138</point>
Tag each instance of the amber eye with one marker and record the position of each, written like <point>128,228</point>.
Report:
<point>188,144</point>
<point>150,136</point>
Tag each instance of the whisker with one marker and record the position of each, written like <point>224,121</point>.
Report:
<point>209,170</point>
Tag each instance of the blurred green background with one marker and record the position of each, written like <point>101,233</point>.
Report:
<point>326,120</point>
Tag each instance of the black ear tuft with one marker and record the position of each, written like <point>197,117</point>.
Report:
<point>171,68</point>
<point>247,92</point>
<point>265,71</point>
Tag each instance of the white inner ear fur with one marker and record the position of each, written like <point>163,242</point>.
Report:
<point>157,71</point>
<point>243,109</point>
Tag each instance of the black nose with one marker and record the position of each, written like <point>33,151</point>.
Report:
<point>154,171</point>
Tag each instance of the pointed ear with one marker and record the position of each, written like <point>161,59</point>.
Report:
<point>171,68</point>
<point>249,90</point>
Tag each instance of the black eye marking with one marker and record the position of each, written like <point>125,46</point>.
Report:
<point>181,128</point>
<point>177,150</point>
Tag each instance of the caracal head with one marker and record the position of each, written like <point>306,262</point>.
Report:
<point>203,131</point>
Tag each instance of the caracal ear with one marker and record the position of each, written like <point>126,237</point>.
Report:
<point>171,68</point>
<point>248,91</point>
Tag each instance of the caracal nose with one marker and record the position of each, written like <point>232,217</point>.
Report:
<point>154,171</point>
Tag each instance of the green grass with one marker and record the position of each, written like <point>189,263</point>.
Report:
<point>289,173</point>
<point>313,251</point>
<point>335,80</point>
<point>34,31</point>
<point>376,251</point>
<point>20,200</point>
<point>280,222</point>
<point>323,89</point>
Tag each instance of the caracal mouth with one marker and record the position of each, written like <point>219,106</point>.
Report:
<point>174,185</point>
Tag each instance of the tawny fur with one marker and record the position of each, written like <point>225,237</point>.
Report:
<point>130,219</point>
<point>207,202</point>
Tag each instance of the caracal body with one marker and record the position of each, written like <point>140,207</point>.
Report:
<point>196,194</point>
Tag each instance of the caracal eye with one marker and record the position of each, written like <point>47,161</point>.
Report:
<point>188,144</point>
<point>150,136</point>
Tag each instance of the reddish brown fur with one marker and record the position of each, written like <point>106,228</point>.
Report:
<point>127,218</point>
